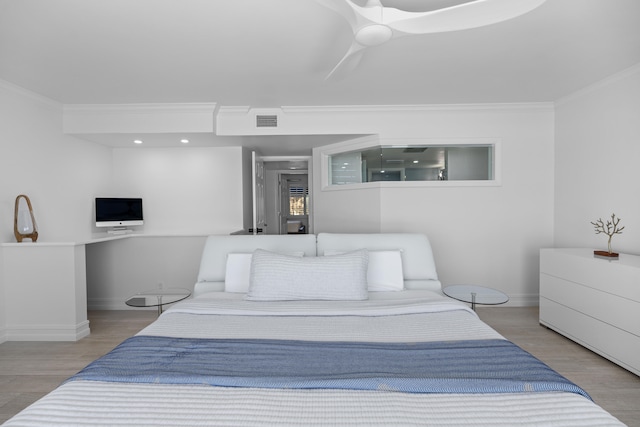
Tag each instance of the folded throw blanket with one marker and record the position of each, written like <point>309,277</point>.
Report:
<point>474,366</point>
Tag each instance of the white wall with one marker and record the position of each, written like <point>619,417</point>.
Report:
<point>597,163</point>
<point>483,235</point>
<point>184,190</point>
<point>345,211</point>
<point>187,194</point>
<point>58,172</point>
<point>486,235</point>
<point>120,268</point>
<point>195,190</point>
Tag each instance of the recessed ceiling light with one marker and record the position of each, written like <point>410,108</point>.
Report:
<point>415,161</point>
<point>184,141</point>
<point>137,141</point>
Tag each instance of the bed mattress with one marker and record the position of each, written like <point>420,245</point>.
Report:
<point>390,317</point>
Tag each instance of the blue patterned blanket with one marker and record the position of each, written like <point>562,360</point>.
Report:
<point>474,366</point>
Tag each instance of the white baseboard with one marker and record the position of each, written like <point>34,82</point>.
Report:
<point>523,300</point>
<point>47,332</point>
<point>112,304</point>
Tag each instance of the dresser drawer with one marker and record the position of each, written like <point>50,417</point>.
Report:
<point>603,306</point>
<point>618,277</point>
<point>593,301</point>
<point>617,345</point>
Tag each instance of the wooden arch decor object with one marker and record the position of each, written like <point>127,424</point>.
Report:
<point>24,223</point>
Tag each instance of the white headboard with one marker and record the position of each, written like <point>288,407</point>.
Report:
<point>418,264</point>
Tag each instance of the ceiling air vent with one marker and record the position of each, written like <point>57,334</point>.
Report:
<point>267,121</point>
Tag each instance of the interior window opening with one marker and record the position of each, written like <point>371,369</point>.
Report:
<point>413,163</point>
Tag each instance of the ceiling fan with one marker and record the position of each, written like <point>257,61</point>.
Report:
<point>374,24</point>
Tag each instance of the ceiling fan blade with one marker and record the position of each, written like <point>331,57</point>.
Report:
<point>357,16</point>
<point>463,16</point>
<point>374,24</point>
<point>343,8</point>
<point>348,62</point>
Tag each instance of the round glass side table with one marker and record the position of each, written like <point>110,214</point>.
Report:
<point>158,298</point>
<point>475,294</point>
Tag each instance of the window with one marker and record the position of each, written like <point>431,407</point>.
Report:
<point>419,163</point>
<point>298,201</point>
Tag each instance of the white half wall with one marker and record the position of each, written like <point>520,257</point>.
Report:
<point>597,156</point>
<point>46,292</point>
<point>3,298</point>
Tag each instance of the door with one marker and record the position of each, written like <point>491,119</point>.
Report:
<point>257,166</point>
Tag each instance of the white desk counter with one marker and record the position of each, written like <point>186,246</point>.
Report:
<point>46,287</point>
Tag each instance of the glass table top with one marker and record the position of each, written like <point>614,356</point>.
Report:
<point>158,297</point>
<point>476,294</point>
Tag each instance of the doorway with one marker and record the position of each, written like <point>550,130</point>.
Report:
<point>288,199</point>
<point>294,203</point>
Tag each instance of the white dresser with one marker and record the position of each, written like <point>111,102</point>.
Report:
<point>593,301</point>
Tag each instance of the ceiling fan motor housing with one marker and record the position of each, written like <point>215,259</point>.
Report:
<point>373,35</point>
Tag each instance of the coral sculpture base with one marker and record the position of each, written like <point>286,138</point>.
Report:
<point>606,254</point>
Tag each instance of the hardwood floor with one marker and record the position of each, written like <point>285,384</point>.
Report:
<point>29,370</point>
<point>610,386</point>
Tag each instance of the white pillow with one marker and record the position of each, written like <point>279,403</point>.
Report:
<point>384,272</point>
<point>276,277</point>
<point>236,276</point>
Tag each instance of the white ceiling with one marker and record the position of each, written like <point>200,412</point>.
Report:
<point>271,53</point>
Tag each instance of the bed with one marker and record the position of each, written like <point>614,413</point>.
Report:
<point>299,344</point>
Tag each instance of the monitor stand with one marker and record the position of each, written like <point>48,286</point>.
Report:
<point>119,230</point>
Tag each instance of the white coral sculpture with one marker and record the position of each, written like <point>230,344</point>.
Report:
<point>610,228</point>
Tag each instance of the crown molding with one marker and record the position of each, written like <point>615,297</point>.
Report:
<point>150,108</point>
<point>244,109</point>
<point>541,106</point>
<point>19,90</point>
<point>626,73</point>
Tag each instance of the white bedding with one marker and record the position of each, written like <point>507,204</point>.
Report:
<point>100,404</point>
<point>408,316</point>
<point>109,404</point>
